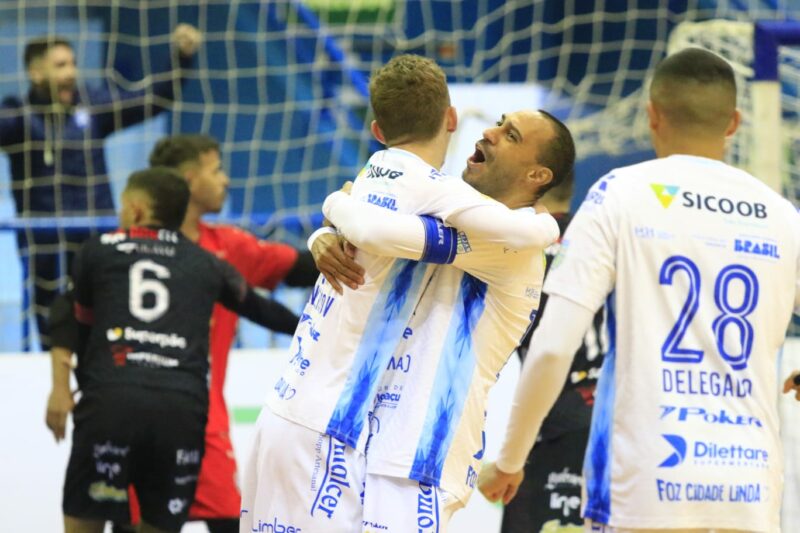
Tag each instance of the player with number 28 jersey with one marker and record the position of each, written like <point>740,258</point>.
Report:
<point>700,308</point>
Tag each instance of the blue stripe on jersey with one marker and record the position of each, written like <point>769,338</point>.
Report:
<point>440,242</point>
<point>451,385</point>
<point>386,323</point>
<point>597,462</point>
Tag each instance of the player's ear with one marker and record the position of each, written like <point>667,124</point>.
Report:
<point>652,115</point>
<point>451,119</point>
<point>736,119</point>
<point>36,71</point>
<point>540,176</point>
<point>376,132</point>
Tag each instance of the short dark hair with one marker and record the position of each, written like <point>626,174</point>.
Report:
<point>409,97</point>
<point>39,46</point>
<point>176,150</point>
<point>168,192</point>
<point>695,89</point>
<point>558,155</point>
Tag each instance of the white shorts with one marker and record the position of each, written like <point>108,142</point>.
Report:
<point>399,505</point>
<point>297,480</point>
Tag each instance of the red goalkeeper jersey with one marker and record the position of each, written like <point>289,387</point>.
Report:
<point>262,264</point>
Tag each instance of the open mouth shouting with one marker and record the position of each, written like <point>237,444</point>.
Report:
<point>477,158</point>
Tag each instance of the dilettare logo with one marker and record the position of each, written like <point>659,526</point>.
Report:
<point>665,193</point>
<point>678,444</point>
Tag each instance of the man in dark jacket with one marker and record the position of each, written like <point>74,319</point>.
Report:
<point>54,139</point>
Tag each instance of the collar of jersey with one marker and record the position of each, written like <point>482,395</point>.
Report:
<point>406,153</point>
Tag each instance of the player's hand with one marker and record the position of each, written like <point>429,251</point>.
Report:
<point>496,485</point>
<point>792,383</point>
<point>187,39</point>
<point>59,405</point>
<point>347,187</point>
<point>334,258</point>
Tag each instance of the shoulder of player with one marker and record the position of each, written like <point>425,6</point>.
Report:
<point>393,164</point>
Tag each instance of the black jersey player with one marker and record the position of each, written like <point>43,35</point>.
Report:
<point>146,294</point>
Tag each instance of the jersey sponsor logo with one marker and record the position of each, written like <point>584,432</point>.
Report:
<point>401,362</point>
<point>274,526</point>
<point>672,491</point>
<point>177,505</point>
<point>100,491</point>
<point>112,238</point>
<point>678,454</point>
<point>435,174</point>
<point>665,193</point>
<point>713,453</point>
<point>334,482</point>
<point>708,416</point>
<point>472,477</point>
<point>298,361</point>
<point>713,203</point>
<point>563,478</point>
<point>152,359</point>
<point>321,301</point>
<point>462,243</point>
<point>387,202</point>
<point>146,248</point>
<point>163,340</point>
<point>284,389</point>
<point>374,171</point>
<point>187,457</point>
<point>107,448</point>
<point>760,248</point>
<point>426,507</point>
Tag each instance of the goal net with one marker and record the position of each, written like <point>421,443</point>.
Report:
<point>283,86</point>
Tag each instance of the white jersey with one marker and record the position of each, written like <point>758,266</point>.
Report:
<point>430,409</point>
<point>344,343</point>
<point>698,265</point>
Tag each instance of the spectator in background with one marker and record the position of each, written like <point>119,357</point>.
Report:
<point>549,496</point>
<point>54,139</point>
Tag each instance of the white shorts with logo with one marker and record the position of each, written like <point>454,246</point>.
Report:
<point>399,505</point>
<point>297,480</point>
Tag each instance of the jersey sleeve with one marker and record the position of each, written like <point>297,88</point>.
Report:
<point>239,297</point>
<point>262,263</point>
<point>584,270</point>
<point>82,285</point>
<point>460,205</point>
<point>383,232</point>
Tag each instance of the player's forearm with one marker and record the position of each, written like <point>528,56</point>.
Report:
<point>515,229</point>
<point>374,229</point>
<point>267,313</point>
<point>304,272</point>
<point>542,378</point>
<point>61,364</point>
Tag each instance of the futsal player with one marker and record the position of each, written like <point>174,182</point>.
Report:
<point>698,264</point>
<point>344,343</point>
<point>147,293</point>
<point>263,264</point>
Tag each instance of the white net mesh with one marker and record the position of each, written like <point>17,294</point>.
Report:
<point>282,85</point>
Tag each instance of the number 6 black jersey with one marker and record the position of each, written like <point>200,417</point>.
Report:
<point>148,296</point>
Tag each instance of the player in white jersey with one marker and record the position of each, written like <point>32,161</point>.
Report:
<point>344,342</point>
<point>699,266</point>
<point>426,439</point>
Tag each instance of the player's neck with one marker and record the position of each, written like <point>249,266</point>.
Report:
<point>708,148</point>
<point>432,152</point>
<point>191,223</point>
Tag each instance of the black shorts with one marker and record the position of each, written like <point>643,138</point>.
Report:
<point>128,435</point>
<point>550,494</point>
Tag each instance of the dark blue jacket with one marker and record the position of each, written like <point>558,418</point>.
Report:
<point>57,160</point>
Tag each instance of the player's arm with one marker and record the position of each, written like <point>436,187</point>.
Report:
<point>459,205</point>
<point>138,105</point>
<point>240,298</point>
<point>383,232</point>
<point>11,127</point>
<point>67,336</point>
<point>541,380</point>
